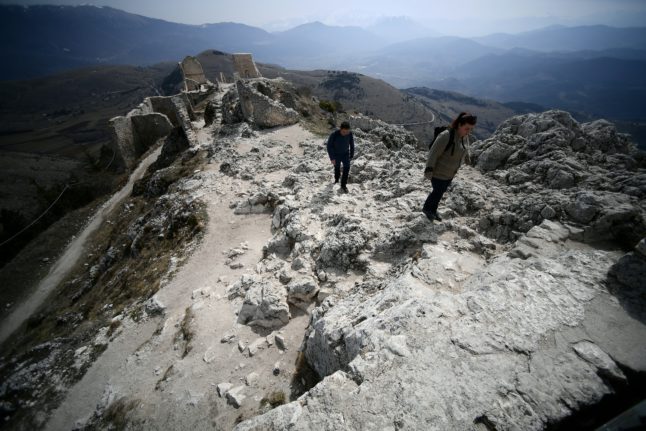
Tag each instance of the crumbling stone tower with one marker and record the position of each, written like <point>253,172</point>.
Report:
<point>193,73</point>
<point>244,66</point>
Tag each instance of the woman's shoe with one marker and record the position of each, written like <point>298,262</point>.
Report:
<point>430,215</point>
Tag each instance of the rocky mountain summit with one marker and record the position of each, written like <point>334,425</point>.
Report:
<point>505,316</point>
<point>300,307</point>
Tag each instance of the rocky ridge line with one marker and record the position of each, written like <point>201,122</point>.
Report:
<point>489,321</point>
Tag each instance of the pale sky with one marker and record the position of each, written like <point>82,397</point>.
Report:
<point>464,17</point>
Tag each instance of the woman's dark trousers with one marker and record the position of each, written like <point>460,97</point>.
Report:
<point>433,199</point>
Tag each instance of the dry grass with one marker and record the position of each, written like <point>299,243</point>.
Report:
<point>304,379</point>
<point>274,399</point>
<point>170,371</point>
<point>117,414</point>
<point>114,325</point>
<point>186,332</point>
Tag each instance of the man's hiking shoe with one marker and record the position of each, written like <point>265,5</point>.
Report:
<point>345,189</point>
<point>437,217</point>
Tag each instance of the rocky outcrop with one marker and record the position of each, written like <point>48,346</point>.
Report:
<point>553,150</point>
<point>265,304</point>
<point>585,174</point>
<point>259,108</point>
<point>514,348</point>
<point>504,316</point>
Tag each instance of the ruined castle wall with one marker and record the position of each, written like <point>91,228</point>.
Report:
<point>244,66</point>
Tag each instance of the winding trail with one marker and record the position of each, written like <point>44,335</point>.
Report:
<point>71,254</point>
<point>144,361</point>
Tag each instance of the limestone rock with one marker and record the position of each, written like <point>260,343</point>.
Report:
<point>260,202</point>
<point>227,338</point>
<point>235,397</point>
<point>482,347</point>
<point>303,289</point>
<point>209,355</point>
<point>603,136</point>
<point>494,156</point>
<point>240,287</point>
<point>281,418</point>
<point>344,243</point>
<point>265,304</point>
<point>600,175</point>
<point>223,388</point>
<point>154,307</point>
<point>280,342</point>
<point>256,345</point>
<point>600,359</point>
<point>251,379</point>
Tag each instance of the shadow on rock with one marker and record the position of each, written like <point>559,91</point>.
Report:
<point>626,280</point>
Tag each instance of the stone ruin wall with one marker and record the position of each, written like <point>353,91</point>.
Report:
<point>245,67</point>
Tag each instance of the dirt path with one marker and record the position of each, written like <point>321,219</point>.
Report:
<point>171,381</point>
<point>71,254</point>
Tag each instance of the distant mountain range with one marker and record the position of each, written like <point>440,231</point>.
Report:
<point>560,38</point>
<point>604,86</point>
<point>41,40</point>
<point>592,70</point>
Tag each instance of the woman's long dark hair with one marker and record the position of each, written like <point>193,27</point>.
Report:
<point>464,118</point>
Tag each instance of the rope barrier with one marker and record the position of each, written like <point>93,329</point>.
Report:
<point>67,186</point>
<point>114,153</point>
<point>39,217</point>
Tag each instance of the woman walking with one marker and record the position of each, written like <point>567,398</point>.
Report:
<point>445,158</point>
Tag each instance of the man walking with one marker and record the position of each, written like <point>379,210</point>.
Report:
<point>340,148</point>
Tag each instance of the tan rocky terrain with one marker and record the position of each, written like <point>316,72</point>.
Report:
<point>237,288</point>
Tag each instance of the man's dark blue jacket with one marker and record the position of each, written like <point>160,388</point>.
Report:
<point>339,145</point>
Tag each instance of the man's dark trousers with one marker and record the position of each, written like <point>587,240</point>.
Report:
<point>433,199</point>
<point>345,159</point>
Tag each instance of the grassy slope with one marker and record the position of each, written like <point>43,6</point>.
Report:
<point>51,133</point>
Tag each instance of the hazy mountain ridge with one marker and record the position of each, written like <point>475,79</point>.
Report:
<point>605,87</point>
<point>560,38</point>
<point>399,29</point>
<point>69,37</point>
<point>501,66</point>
